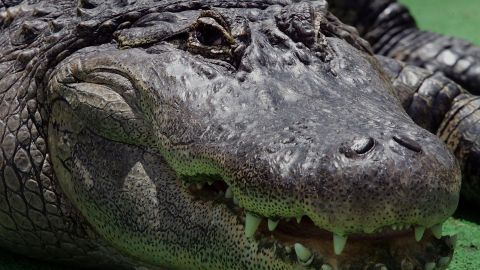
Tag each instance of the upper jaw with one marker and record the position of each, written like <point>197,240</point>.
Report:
<point>297,242</point>
<point>340,194</point>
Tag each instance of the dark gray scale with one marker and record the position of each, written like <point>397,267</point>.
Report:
<point>392,31</point>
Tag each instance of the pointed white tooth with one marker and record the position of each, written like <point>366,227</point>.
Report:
<point>443,261</point>
<point>210,183</point>
<point>407,226</point>
<point>437,231</point>
<point>419,230</point>
<point>380,266</point>
<point>288,249</point>
<point>339,243</point>
<point>199,185</point>
<point>304,255</point>
<point>453,240</point>
<point>394,227</point>
<point>326,267</point>
<point>430,266</point>
<point>229,193</point>
<point>272,224</point>
<point>235,201</point>
<point>299,219</point>
<point>251,224</point>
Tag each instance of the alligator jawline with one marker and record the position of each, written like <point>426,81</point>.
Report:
<point>392,249</point>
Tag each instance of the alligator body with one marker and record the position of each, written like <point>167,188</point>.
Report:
<point>225,134</point>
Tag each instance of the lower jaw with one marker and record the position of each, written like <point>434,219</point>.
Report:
<point>400,252</point>
<point>395,252</point>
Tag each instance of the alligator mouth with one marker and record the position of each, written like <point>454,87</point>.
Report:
<point>300,241</point>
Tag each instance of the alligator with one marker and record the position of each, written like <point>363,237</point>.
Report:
<point>233,134</point>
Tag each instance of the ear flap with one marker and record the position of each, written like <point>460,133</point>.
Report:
<point>103,100</point>
<point>96,138</point>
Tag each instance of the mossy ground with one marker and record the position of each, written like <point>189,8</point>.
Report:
<point>466,225</point>
<point>455,18</point>
<point>458,18</point>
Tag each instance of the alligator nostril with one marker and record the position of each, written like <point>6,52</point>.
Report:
<point>408,143</point>
<point>363,145</point>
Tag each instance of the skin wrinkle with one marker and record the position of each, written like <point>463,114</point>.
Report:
<point>458,121</point>
<point>454,119</point>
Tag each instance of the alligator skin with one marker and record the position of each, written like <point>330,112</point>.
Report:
<point>177,134</point>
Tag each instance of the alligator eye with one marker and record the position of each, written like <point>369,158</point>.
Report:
<point>211,39</point>
<point>209,33</point>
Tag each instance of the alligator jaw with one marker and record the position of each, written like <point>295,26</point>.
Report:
<point>299,240</point>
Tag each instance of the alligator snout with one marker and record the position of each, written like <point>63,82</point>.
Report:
<point>343,182</point>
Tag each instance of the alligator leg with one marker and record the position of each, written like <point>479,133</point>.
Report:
<point>445,108</point>
<point>392,31</point>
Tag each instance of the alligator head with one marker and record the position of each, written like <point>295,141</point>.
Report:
<point>248,137</point>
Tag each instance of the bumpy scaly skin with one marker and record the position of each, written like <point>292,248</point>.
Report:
<point>107,109</point>
<point>392,31</point>
<point>443,107</point>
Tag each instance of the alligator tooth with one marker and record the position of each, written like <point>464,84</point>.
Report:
<point>304,255</point>
<point>299,219</point>
<point>419,230</point>
<point>272,224</point>
<point>251,224</point>
<point>443,261</point>
<point>229,193</point>
<point>430,266</point>
<point>380,266</point>
<point>394,227</point>
<point>236,202</point>
<point>288,249</point>
<point>199,185</point>
<point>339,243</point>
<point>326,267</point>
<point>452,240</point>
<point>437,231</point>
<point>210,183</point>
